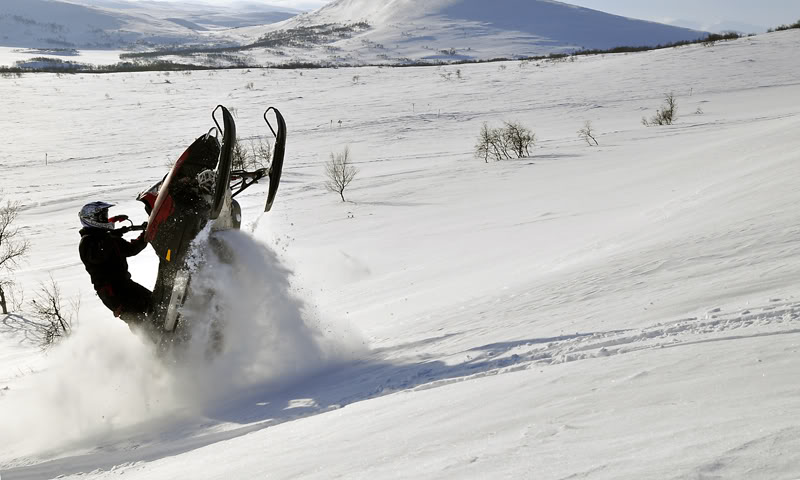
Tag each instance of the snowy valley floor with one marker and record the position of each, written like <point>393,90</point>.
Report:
<point>629,310</point>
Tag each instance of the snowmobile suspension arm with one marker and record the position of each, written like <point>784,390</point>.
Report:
<point>242,179</point>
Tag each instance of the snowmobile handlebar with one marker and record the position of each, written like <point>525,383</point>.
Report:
<point>130,228</point>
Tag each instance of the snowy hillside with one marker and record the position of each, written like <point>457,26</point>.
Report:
<point>475,29</point>
<point>204,15</point>
<point>55,24</point>
<point>345,32</point>
<point>118,24</point>
<point>545,23</point>
<point>624,311</point>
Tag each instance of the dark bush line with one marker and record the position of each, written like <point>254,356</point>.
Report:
<point>781,28</point>
<point>167,65</point>
<point>709,39</point>
<point>122,67</point>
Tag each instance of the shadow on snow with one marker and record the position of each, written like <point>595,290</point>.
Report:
<point>263,406</point>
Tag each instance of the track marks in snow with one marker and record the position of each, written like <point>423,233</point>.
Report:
<point>506,357</point>
<point>768,456</point>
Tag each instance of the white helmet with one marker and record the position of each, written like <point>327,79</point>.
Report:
<point>95,215</point>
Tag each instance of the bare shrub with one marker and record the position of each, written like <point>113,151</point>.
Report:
<point>668,113</point>
<point>510,141</point>
<point>340,172</point>
<point>257,154</point>
<point>587,133</point>
<point>55,322</point>
<point>13,249</point>
<point>518,138</point>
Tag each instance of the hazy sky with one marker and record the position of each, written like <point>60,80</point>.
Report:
<point>701,13</point>
<point>766,13</point>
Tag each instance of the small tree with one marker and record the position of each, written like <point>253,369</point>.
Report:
<point>13,249</point>
<point>668,113</point>
<point>587,133</point>
<point>483,149</point>
<point>340,172</point>
<point>238,155</point>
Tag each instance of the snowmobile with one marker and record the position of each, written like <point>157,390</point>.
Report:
<point>199,189</point>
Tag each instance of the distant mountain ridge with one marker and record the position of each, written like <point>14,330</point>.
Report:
<point>114,24</point>
<point>520,27</point>
<point>344,32</point>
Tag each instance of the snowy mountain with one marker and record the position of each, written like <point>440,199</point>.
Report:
<point>56,24</point>
<point>343,32</point>
<point>118,24</point>
<point>425,30</point>
<point>205,14</point>
<point>627,310</point>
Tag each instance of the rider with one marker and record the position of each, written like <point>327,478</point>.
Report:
<point>103,252</point>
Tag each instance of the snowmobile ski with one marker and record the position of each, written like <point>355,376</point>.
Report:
<point>276,166</point>
<point>225,159</point>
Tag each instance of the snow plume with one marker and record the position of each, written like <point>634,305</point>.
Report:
<point>269,335</point>
<point>104,386</point>
<point>97,381</point>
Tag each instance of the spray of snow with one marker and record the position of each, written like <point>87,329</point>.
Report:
<point>103,384</point>
<point>268,334</point>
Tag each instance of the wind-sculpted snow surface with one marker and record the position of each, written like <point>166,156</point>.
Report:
<point>104,385</point>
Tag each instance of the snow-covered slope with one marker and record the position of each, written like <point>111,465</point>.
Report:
<point>624,311</point>
<point>388,32</point>
<point>51,24</point>
<point>113,25</point>
<point>545,21</point>
<point>477,29</point>
<point>204,15</point>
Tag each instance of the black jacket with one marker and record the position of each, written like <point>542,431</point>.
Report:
<point>104,253</point>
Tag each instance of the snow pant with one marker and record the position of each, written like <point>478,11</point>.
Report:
<point>128,300</point>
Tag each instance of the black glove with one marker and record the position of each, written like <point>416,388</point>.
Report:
<point>120,231</point>
<point>143,228</point>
